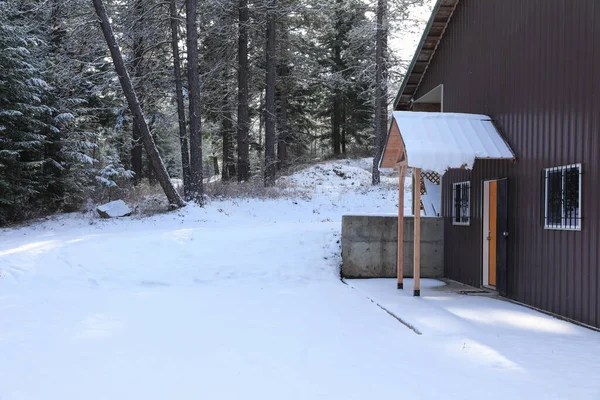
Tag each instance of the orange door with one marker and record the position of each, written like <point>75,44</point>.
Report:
<point>492,236</point>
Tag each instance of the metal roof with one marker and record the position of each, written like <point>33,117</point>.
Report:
<point>440,141</point>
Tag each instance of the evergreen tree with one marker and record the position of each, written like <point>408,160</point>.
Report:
<point>67,134</point>
<point>23,114</point>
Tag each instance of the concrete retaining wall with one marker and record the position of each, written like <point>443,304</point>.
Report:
<point>369,246</point>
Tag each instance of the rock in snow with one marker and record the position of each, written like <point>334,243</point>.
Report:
<point>114,209</point>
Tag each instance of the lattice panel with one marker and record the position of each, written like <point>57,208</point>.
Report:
<point>432,177</point>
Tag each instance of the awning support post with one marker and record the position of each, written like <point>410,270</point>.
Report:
<point>400,261</point>
<point>417,231</point>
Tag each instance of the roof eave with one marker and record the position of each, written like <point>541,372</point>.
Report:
<point>419,50</point>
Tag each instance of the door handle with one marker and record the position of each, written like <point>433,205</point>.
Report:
<point>505,234</point>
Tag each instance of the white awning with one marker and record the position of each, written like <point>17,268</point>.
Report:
<point>437,142</point>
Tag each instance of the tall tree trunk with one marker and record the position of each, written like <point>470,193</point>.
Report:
<point>139,44</point>
<point>282,106</point>
<point>337,93</point>
<point>282,98</point>
<point>227,133</point>
<point>344,130</point>
<point>197,187</point>
<point>136,109</point>
<point>228,171</point>
<point>243,117</point>
<point>225,171</point>
<point>261,125</point>
<point>216,164</point>
<point>151,175</point>
<point>381,117</point>
<point>270,117</point>
<point>185,154</point>
<point>336,122</point>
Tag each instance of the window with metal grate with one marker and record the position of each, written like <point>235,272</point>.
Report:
<point>562,200</point>
<point>461,193</point>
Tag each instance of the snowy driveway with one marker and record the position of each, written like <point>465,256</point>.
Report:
<point>169,313</point>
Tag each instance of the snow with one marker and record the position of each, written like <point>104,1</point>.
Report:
<point>533,355</point>
<point>242,300</point>
<point>441,141</point>
<point>114,209</point>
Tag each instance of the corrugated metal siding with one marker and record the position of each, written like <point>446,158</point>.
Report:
<point>532,66</point>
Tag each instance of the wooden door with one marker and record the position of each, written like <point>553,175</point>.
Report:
<point>493,233</point>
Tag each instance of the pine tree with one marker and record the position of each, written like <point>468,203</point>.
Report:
<point>381,94</point>
<point>346,50</point>
<point>66,133</point>
<point>218,49</point>
<point>135,107</point>
<point>243,112</point>
<point>197,187</point>
<point>181,121</point>
<point>270,113</point>
<point>23,115</point>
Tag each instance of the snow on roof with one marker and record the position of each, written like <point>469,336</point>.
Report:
<point>440,141</point>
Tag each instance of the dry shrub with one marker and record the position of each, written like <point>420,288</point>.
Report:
<point>147,198</point>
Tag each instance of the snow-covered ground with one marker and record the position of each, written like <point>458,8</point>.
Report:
<point>242,300</point>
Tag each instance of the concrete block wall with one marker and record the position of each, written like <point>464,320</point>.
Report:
<point>369,246</point>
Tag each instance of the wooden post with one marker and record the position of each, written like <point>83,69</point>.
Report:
<point>400,261</point>
<point>417,232</point>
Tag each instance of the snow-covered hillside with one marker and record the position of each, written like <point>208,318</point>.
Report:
<point>320,193</point>
<point>327,190</point>
<point>242,300</point>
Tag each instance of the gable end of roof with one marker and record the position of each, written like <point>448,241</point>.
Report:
<point>434,31</point>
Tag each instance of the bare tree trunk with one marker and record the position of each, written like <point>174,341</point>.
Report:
<point>344,130</point>
<point>261,125</point>
<point>381,111</point>
<point>136,109</point>
<point>283,72</point>
<point>151,174</point>
<point>138,65</point>
<point>197,187</point>
<point>336,122</point>
<point>282,106</point>
<point>228,171</point>
<point>243,117</point>
<point>270,117</point>
<point>185,154</point>
<point>337,94</point>
<point>216,164</point>
<point>282,161</point>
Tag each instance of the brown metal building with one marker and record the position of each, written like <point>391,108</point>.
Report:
<point>533,66</point>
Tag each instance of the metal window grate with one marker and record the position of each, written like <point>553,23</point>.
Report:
<point>461,193</point>
<point>562,202</point>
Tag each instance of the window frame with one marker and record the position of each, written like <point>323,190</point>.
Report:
<point>459,186</point>
<point>563,226</point>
